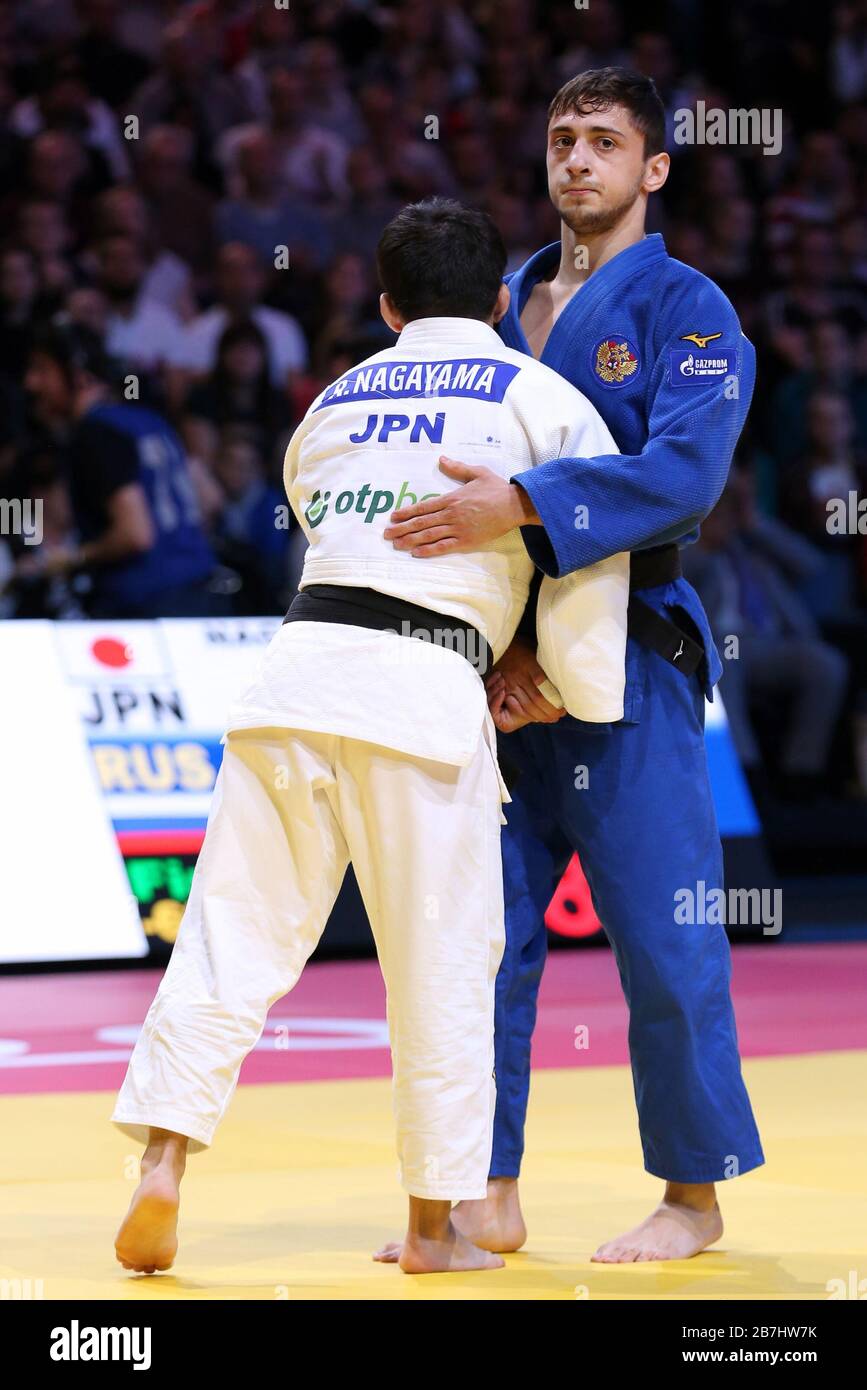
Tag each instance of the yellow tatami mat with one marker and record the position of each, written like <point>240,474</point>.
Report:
<point>300,1187</point>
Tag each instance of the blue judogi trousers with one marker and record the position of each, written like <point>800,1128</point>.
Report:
<point>644,826</point>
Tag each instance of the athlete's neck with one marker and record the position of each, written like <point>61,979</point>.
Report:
<point>582,253</point>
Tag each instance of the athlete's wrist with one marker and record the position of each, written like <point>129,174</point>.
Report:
<point>525,512</point>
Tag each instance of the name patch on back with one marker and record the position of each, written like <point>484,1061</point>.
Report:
<point>480,378</point>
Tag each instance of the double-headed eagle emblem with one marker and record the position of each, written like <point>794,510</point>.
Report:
<point>615,361</point>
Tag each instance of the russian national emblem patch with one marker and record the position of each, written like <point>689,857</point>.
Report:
<point>616,361</point>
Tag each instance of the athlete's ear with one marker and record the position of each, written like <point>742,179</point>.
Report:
<point>390,313</point>
<point>656,172</point>
<point>503,300</point>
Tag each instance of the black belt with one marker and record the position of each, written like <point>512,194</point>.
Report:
<point>647,570</point>
<point>343,603</point>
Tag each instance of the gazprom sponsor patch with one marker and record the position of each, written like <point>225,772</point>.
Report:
<point>480,378</point>
<point>698,368</point>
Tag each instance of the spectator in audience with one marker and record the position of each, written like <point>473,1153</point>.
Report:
<point>19,306</point>
<point>326,90</point>
<point>416,166</point>
<point>240,282</point>
<point>145,337</point>
<point>252,530</point>
<point>47,235</point>
<point>57,170</point>
<point>166,281</point>
<point>272,42</point>
<point>348,307</point>
<point>264,217</point>
<point>188,88</point>
<point>143,546</point>
<point>110,69</point>
<point>63,101</point>
<point>87,307</point>
<point>825,476</point>
<point>833,367</point>
<point>182,209</point>
<point>311,161</point>
<point>813,291</point>
<point>239,392</point>
<point>369,205</point>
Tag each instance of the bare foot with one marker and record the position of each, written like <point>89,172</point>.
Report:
<point>148,1236</point>
<point>493,1222</point>
<point>433,1244</point>
<point>677,1230</point>
<point>422,1255</point>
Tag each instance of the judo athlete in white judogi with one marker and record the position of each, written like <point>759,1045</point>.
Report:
<point>359,741</point>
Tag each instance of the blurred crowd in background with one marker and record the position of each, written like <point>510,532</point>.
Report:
<point>256,127</point>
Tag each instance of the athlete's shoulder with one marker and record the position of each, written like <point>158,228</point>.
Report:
<point>684,286</point>
<point>691,311</point>
<point>695,315</point>
<point>543,396</point>
<point>535,375</point>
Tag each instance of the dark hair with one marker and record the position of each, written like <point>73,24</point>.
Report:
<point>266,409</point>
<point>242,331</point>
<point>74,348</point>
<point>438,258</point>
<point>599,88</point>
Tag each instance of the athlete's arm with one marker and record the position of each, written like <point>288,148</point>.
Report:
<point>592,508</point>
<point>485,508</point>
<point>580,510</point>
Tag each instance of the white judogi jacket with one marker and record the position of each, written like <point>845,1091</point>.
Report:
<point>369,444</point>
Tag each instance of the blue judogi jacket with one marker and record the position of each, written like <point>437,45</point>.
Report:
<point>676,428</point>
<point>675,406</point>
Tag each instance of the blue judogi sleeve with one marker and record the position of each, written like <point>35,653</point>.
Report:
<point>665,491</point>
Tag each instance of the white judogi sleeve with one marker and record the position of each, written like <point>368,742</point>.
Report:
<point>580,619</point>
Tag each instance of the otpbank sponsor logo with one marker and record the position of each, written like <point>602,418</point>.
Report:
<point>478,378</point>
<point>367,502</point>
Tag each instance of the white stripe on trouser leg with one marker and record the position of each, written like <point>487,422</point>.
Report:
<point>267,877</point>
<point>425,844</point>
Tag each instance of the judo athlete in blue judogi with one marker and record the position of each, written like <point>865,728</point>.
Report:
<point>658,350</point>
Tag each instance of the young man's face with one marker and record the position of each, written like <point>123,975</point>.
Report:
<point>597,168</point>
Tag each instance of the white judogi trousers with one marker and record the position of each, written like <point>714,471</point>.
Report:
<point>290,809</point>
